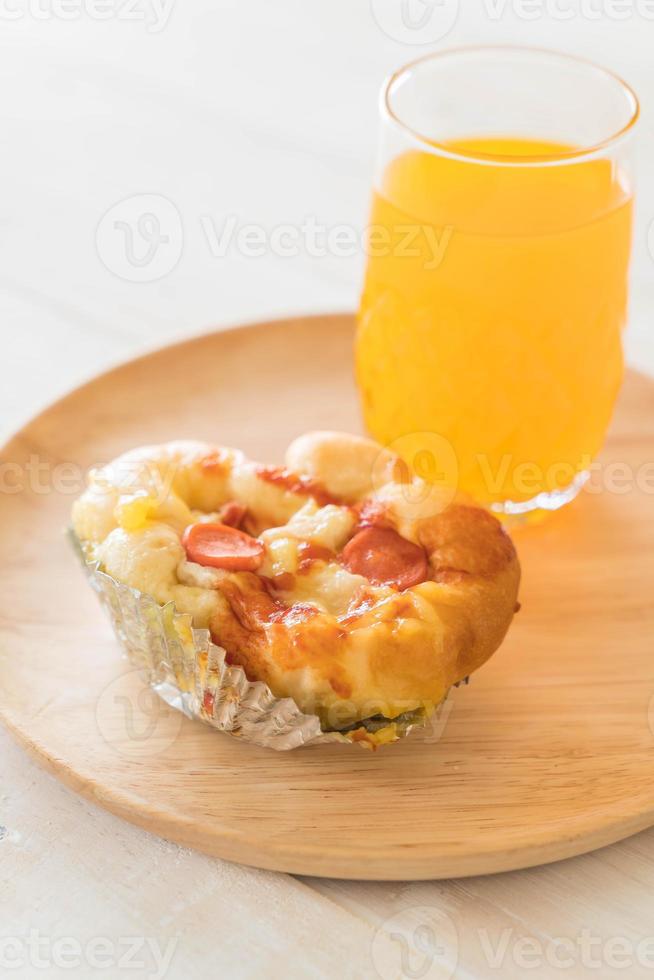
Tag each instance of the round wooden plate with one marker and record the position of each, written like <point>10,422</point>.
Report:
<point>549,752</point>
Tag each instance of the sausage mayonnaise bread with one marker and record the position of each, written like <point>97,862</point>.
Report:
<point>341,580</point>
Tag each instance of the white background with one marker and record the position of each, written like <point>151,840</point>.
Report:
<point>264,110</point>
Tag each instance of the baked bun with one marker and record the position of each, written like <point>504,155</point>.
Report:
<point>341,580</point>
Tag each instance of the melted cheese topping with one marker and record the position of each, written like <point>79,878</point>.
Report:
<point>134,511</point>
<point>302,622</point>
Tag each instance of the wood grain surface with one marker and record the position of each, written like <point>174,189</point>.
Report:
<point>548,753</point>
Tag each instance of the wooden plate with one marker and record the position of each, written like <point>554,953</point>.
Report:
<point>548,753</point>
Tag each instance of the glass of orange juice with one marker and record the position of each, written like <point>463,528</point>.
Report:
<point>496,284</point>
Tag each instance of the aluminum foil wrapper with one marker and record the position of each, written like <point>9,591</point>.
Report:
<point>190,673</point>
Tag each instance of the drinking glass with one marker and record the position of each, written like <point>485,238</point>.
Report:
<point>496,285</point>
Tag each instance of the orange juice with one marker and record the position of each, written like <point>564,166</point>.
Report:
<point>492,310</point>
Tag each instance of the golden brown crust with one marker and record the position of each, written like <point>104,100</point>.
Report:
<point>416,644</point>
<point>466,540</point>
<point>343,645</point>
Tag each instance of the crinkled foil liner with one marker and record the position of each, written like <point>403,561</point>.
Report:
<point>189,672</point>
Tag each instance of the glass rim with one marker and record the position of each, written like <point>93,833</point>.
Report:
<point>554,159</point>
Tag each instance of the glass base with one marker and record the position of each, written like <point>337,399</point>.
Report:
<point>537,508</point>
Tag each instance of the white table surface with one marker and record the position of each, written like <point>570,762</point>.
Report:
<point>264,110</point>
